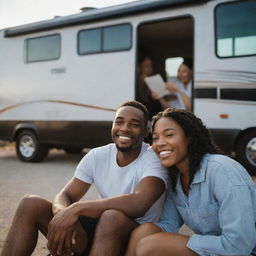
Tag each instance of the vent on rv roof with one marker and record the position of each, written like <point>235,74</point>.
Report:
<point>85,9</point>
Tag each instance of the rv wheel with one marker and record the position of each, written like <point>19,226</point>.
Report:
<point>246,151</point>
<point>28,148</point>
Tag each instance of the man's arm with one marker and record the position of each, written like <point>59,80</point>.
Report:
<point>133,205</point>
<point>72,192</point>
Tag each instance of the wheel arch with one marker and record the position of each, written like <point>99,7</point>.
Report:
<point>245,150</point>
<point>241,134</point>
<point>24,126</point>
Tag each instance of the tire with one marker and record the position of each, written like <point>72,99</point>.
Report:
<point>246,151</point>
<point>28,148</point>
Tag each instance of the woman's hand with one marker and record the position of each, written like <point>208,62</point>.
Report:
<point>171,87</point>
<point>154,95</point>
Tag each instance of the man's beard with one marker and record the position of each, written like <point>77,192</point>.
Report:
<point>122,149</point>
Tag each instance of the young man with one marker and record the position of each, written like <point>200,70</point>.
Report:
<point>130,181</point>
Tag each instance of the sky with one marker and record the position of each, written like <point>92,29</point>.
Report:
<point>19,12</point>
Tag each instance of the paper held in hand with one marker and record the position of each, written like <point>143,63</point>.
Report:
<point>157,84</point>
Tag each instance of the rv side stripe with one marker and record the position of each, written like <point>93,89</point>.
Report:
<point>209,93</point>
<point>247,94</point>
<point>238,94</point>
<point>56,101</point>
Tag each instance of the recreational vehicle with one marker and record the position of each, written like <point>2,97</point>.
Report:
<point>62,79</point>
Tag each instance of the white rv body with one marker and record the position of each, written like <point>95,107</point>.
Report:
<point>88,88</point>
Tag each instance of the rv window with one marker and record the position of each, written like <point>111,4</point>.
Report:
<point>117,38</point>
<point>105,39</point>
<point>89,41</point>
<point>42,48</point>
<point>235,29</point>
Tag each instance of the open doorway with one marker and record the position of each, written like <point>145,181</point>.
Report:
<point>167,43</point>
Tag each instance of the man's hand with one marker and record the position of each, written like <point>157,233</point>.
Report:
<point>61,231</point>
<point>79,239</point>
<point>62,227</point>
<point>76,240</point>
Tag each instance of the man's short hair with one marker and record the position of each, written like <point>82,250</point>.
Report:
<point>138,105</point>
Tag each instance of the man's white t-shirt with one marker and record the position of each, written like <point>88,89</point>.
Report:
<point>100,167</point>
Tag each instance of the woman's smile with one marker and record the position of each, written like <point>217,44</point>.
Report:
<point>170,143</point>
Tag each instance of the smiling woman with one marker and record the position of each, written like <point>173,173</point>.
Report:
<point>184,129</point>
<point>209,193</point>
<point>171,144</point>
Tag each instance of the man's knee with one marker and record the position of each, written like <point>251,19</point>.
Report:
<point>113,217</point>
<point>31,205</point>
<point>31,201</point>
<point>28,202</point>
<point>114,220</point>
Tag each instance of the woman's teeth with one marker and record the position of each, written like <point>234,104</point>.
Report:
<point>163,153</point>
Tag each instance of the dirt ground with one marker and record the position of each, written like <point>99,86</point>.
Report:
<point>44,179</point>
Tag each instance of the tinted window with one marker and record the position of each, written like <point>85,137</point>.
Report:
<point>89,41</point>
<point>42,48</point>
<point>112,38</point>
<point>235,29</point>
<point>117,38</point>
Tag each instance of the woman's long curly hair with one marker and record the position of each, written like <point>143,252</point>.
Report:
<point>200,140</point>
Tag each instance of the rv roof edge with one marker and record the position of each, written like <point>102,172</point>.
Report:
<point>96,14</point>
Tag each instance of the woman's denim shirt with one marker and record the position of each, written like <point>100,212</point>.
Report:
<point>220,208</point>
